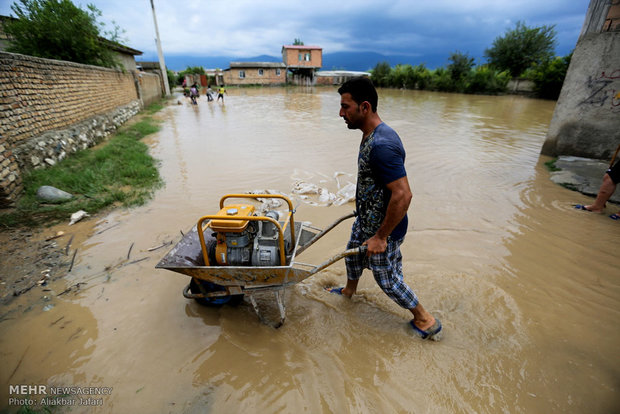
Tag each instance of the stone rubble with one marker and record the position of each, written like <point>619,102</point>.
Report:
<point>53,146</point>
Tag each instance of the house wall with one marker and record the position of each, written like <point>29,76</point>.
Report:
<point>520,86</point>
<point>328,80</point>
<point>252,77</point>
<point>128,62</point>
<point>336,77</point>
<point>50,108</point>
<point>151,87</point>
<point>291,57</point>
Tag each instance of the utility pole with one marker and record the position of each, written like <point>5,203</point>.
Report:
<point>162,64</point>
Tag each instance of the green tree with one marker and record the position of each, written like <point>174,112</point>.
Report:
<point>380,74</point>
<point>171,77</point>
<point>521,47</point>
<point>548,76</point>
<point>460,66</point>
<point>57,29</point>
<point>190,70</point>
<point>194,70</point>
<point>298,42</point>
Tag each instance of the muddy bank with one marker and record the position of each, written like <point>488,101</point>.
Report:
<point>34,263</point>
<point>31,259</point>
<point>29,262</point>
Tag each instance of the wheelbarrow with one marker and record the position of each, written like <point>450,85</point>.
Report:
<point>238,252</point>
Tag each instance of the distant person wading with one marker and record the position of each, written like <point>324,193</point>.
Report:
<point>220,93</point>
<point>193,93</point>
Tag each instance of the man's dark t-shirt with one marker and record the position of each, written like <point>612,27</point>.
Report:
<point>381,160</point>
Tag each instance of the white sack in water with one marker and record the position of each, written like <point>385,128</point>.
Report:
<point>268,203</point>
<point>338,174</point>
<point>303,187</point>
<point>310,193</point>
<point>345,194</point>
<point>307,191</point>
<point>77,216</point>
<point>325,197</point>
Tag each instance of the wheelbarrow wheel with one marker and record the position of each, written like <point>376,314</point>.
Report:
<point>232,300</point>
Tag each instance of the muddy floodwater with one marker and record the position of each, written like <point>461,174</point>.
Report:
<point>527,287</point>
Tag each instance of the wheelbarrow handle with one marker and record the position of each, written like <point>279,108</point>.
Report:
<point>349,252</point>
<point>356,250</point>
<point>324,232</point>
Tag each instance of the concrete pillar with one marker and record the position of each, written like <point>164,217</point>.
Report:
<point>595,17</point>
<point>586,120</point>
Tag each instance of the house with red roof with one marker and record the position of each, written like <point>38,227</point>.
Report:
<point>302,61</point>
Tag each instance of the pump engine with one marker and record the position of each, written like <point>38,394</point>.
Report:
<point>240,241</point>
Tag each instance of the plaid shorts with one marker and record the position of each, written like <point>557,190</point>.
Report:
<point>387,268</point>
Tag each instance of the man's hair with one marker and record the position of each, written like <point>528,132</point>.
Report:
<point>361,89</point>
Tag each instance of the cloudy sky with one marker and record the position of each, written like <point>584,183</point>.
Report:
<point>246,28</point>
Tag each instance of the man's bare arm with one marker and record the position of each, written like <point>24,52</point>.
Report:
<point>396,210</point>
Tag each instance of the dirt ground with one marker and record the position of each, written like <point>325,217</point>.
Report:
<point>28,262</point>
<point>31,259</point>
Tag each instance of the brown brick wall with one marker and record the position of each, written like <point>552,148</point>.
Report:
<point>291,57</point>
<point>40,95</point>
<point>150,85</point>
<point>612,22</point>
<point>269,77</point>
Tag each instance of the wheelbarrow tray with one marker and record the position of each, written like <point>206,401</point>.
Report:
<point>186,258</point>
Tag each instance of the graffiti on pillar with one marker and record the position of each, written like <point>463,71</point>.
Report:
<point>603,90</point>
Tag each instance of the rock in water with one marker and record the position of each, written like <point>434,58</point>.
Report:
<point>53,194</point>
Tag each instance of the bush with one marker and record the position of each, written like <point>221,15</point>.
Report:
<point>402,76</point>
<point>485,80</point>
<point>380,74</point>
<point>171,78</point>
<point>548,77</point>
<point>57,29</point>
<point>441,80</point>
<point>459,77</point>
<point>423,76</point>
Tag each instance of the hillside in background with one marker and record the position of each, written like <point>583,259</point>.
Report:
<point>364,61</point>
<point>357,61</point>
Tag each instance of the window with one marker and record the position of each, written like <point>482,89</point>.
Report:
<point>242,74</point>
<point>307,57</point>
<point>260,72</point>
<point>301,57</point>
<point>277,72</point>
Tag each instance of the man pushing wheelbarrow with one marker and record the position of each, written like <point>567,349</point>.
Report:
<point>382,198</point>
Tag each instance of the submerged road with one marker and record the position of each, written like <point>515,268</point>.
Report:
<point>525,285</point>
